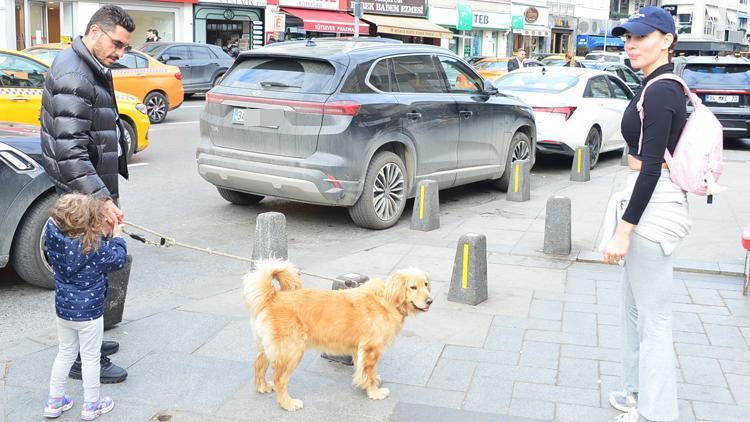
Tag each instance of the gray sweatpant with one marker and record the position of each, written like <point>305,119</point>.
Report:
<point>648,363</point>
<point>75,335</point>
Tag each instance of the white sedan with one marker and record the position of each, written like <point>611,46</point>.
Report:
<point>573,107</point>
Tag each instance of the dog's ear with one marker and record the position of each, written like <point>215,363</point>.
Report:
<point>395,288</point>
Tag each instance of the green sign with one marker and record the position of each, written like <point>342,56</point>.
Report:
<point>516,22</point>
<point>465,17</point>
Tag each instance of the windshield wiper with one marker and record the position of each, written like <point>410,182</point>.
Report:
<point>278,84</point>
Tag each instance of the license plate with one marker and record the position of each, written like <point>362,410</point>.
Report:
<point>722,99</point>
<point>238,116</point>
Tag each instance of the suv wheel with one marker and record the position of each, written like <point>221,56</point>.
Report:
<point>519,149</point>
<point>239,198</point>
<point>384,196</point>
<point>130,138</point>
<point>157,105</point>
<point>28,252</point>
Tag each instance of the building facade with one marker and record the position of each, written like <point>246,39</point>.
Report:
<point>478,28</point>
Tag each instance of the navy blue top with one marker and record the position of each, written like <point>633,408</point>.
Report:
<point>81,279</point>
<point>664,117</point>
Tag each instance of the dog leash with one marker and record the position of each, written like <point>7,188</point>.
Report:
<point>166,242</point>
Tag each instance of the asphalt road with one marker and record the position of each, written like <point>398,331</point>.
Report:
<point>166,193</point>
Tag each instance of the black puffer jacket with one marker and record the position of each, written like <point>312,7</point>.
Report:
<point>79,125</point>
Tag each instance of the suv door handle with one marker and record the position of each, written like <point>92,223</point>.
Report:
<point>465,113</point>
<point>413,116</point>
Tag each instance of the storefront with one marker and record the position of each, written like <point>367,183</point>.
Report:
<point>561,28</point>
<point>223,22</point>
<point>41,22</point>
<point>530,28</point>
<point>476,32</point>
<point>305,19</point>
<point>403,20</point>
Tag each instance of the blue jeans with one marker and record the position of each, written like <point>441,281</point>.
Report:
<point>648,364</point>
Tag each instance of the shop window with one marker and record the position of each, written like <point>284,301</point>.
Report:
<point>19,72</point>
<point>417,74</point>
<point>163,22</point>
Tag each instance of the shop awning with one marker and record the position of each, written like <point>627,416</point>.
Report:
<point>327,21</point>
<point>415,27</point>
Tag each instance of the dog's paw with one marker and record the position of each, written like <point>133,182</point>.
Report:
<point>265,388</point>
<point>378,393</point>
<point>293,405</point>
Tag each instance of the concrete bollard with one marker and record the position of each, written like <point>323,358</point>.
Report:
<point>270,237</point>
<point>624,158</point>
<point>557,226</point>
<point>426,212</point>
<point>345,281</point>
<point>469,280</point>
<point>519,189</point>
<point>581,171</point>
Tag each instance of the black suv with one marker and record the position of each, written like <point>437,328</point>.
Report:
<point>201,65</point>
<point>357,123</point>
<point>25,200</point>
<point>723,84</point>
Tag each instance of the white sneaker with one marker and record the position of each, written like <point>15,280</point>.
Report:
<point>630,416</point>
<point>624,400</point>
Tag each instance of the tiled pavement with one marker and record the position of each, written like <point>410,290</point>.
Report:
<point>544,351</point>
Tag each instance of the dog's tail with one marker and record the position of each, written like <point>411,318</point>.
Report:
<point>258,288</point>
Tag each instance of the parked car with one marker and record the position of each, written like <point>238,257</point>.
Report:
<point>358,125</point>
<point>202,65</point>
<point>631,79</point>
<point>473,59</point>
<point>610,56</point>
<point>21,85</point>
<point>494,67</point>
<point>25,200</point>
<point>573,107</point>
<point>723,84</point>
<point>558,60</point>
<point>155,84</point>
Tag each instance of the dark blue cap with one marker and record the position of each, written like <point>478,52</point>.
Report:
<point>645,21</point>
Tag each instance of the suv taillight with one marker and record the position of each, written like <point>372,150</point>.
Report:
<point>341,108</point>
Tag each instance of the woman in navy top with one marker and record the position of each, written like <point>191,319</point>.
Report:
<point>653,218</point>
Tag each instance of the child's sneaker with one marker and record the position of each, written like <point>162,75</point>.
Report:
<point>57,405</point>
<point>92,410</point>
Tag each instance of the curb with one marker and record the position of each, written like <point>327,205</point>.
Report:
<point>698,267</point>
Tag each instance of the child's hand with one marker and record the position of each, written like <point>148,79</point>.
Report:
<point>117,230</point>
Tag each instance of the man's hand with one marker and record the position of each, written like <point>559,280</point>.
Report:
<point>117,230</point>
<point>112,214</point>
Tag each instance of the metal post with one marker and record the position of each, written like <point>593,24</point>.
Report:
<point>357,15</point>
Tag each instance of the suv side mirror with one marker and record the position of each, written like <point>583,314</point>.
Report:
<point>165,58</point>
<point>489,88</point>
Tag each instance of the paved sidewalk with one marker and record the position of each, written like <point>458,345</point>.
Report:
<point>543,347</point>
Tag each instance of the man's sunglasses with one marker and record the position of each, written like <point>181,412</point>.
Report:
<point>118,44</point>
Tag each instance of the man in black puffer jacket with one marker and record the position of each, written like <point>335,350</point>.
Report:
<point>82,144</point>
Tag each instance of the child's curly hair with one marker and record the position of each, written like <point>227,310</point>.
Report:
<point>80,216</point>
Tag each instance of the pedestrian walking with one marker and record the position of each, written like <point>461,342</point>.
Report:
<point>654,220</point>
<point>517,61</point>
<point>570,60</point>
<point>80,259</point>
<point>82,138</point>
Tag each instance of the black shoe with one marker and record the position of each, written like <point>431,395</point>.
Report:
<point>110,347</point>
<point>109,372</point>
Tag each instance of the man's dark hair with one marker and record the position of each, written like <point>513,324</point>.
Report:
<point>520,49</point>
<point>155,32</point>
<point>109,16</point>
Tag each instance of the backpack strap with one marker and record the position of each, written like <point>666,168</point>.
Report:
<point>694,101</point>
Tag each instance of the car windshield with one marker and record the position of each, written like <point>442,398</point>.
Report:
<point>490,65</point>
<point>554,61</point>
<point>536,82</point>
<point>603,57</point>
<point>284,74</point>
<point>716,75</point>
<point>44,54</point>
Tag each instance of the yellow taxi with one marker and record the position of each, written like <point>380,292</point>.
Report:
<point>157,85</point>
<point>21,85</point>
<point>492,68</point>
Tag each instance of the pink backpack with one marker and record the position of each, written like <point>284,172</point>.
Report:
<point>698,159</point>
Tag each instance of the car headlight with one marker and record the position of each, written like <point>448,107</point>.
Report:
<point>142,108</point>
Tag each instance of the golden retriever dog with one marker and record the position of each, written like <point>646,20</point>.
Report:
<point>359,322</point>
